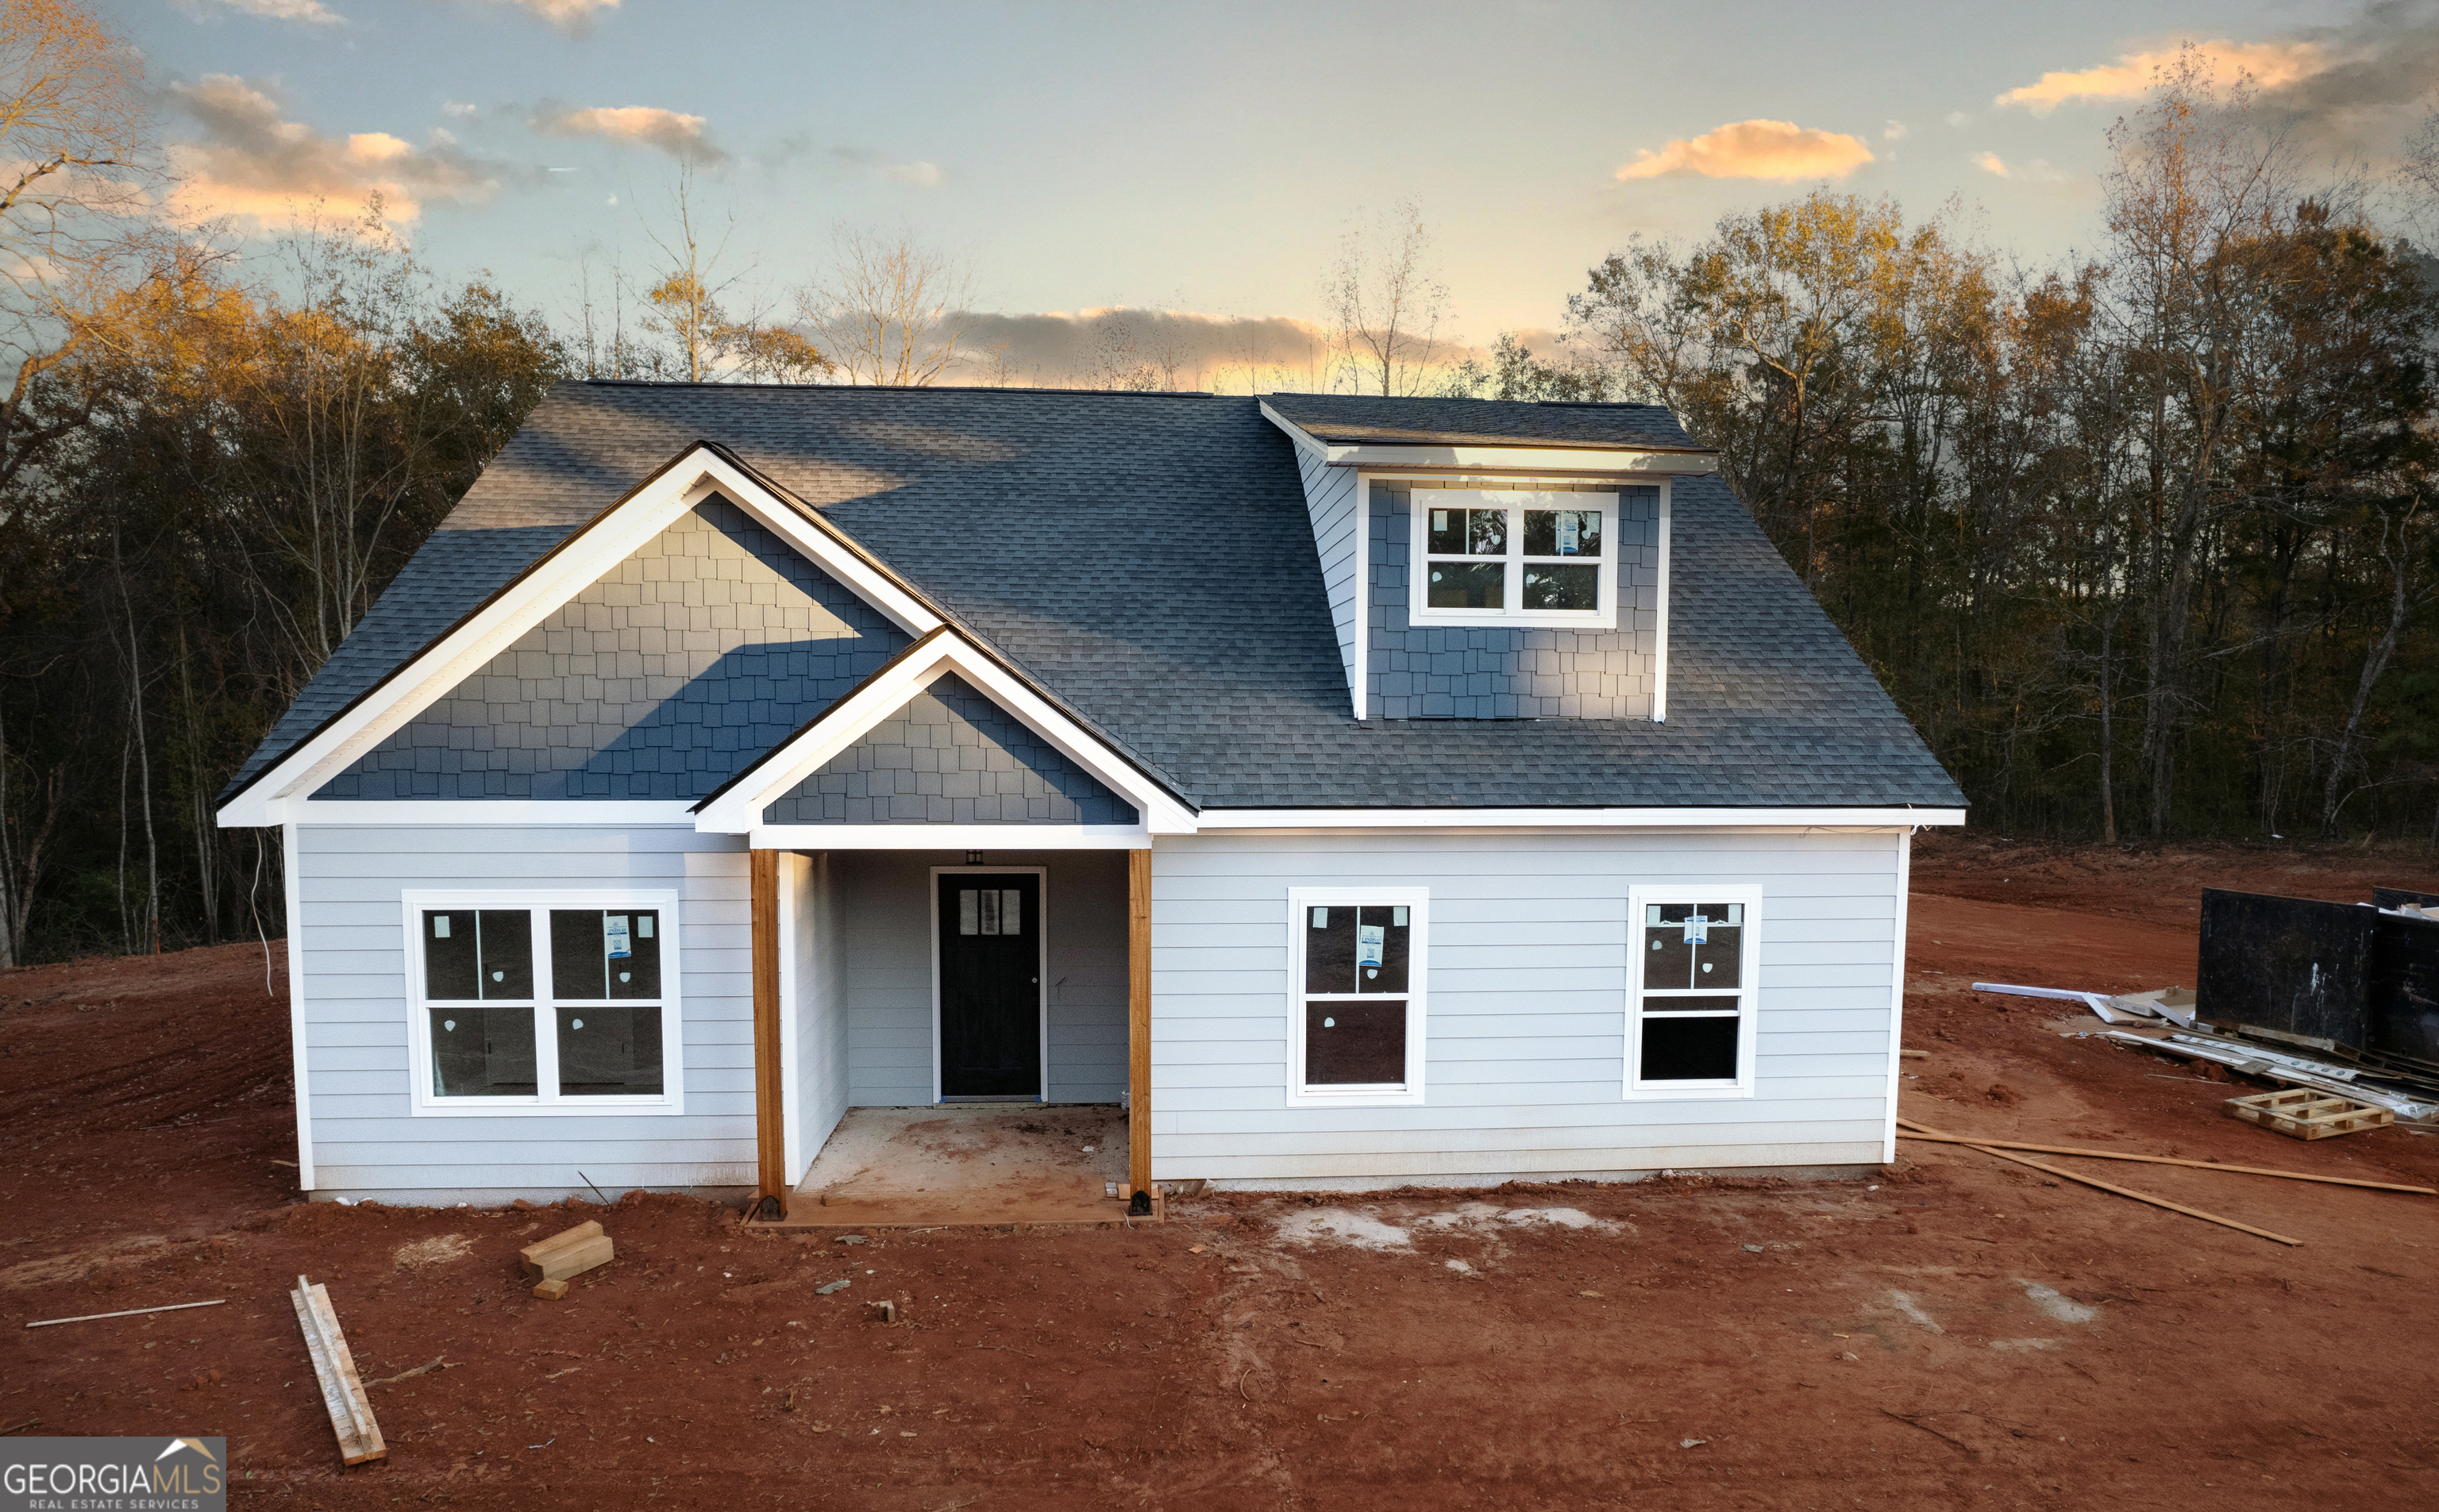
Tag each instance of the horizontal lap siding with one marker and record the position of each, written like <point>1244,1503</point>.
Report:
<point>1526,1053</point>
<point>887,954</point>
<point>365,1139</point>
<point>1330,500</point>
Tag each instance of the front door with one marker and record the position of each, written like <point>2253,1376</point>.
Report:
<point>990,983</point>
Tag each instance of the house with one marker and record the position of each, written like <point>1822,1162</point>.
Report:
<point>1364,791</point>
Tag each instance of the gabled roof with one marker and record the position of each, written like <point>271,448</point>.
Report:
<point>1146,560</point>
<point>1483,422</point>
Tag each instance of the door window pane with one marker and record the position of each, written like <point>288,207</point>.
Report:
<point>1012,911</point>
<point>1690,1049</point>
<point>1355,1043</point>
<point>482,1051</point>
<point>603,953</point>
<point>1562,533</point>
<point>1567,587</point>
<point>471,953</point>
<point>1468,585</point>
<point>990,910</point>
<point>969,917</point>
<point>610,1052</point>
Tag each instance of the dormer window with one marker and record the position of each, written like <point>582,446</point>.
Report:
<point>1514,556</point>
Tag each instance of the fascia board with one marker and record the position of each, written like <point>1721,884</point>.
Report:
<point>739,810</point>
<point>1002,839</point>
<point>1519,459</point>
<point>418,812</point>
<point>563,573</point>
<point>1859,818</point>
<point>1296,433</point>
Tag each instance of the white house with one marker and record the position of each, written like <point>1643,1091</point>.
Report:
<point>1364,791</point>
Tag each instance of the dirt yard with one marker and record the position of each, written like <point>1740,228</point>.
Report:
<point>1955,1332</point>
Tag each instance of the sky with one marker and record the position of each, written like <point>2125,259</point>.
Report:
<point>1206,159</point>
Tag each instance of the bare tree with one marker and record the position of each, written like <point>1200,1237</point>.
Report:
<point>1386,301</point>
<point>892,310</point>
<point>682,305</point>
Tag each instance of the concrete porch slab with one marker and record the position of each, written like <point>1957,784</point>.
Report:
<point>977,1164</point>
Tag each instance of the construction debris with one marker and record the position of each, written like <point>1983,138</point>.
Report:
<point>343,1394</point>
<point>2106,1186</point>
<point>2366,1079</point>
<point>550,1290</point>
<point>130,1312</point>
<point>571,1254</point>
<point>2174,1003</point>
<point>2308,1114</point>
<point>2162,1160</point>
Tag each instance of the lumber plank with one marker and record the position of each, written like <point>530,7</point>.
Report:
<point>769,1131</point>
<point>1139,1019</point>
<point>334,1369</point>
<point>567,1255</point>
<point>1907,1131</point>
<point>2127,1191</point>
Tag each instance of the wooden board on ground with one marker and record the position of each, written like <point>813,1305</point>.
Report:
<point>343,1394</point>
<point>2304,1114</point>
<point>566,1254</point>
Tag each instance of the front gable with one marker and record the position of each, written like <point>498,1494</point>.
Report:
<point>701,650</point>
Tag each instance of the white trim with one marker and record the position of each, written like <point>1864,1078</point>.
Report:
<point>545,1004</point>
<point>1040,969</point>
<point>739,810</point>
<point>790,1087</point>
<point>524,603</point>
<point>291,872</point>
<point>1512,614</point>
<point>416,812</point>
<point>1363,690</point>
<point>1417,994</point>
<point>1530,819</point>
<point>1748,994</point>
<point>948,836</point>
<point>1659,636</point>
<point>1896,994</point>
<point>1498,458</point>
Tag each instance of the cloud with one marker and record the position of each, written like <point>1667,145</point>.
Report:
<point>920,174</point>
<point>1956,117</point>
<point>2271,65</point>
<point>254,167</point>
<point>310,12</point>
<point>680,136</point>
<point>459,109</point>
<point>1990,163</point>
<point>2035,171</point>
<point>1893,131</point>
<point>1755,150</point>
<point>575,17</point>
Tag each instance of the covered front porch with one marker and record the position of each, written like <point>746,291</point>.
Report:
<point>938,1033</point>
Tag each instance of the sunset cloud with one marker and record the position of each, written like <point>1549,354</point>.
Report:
<point>2271,65</point>
<point>680,136</point>
<point>252,167</point>
<point>310,12</point>
<point>1755,150</point>
<point>2037,170</point>
<point>575,17</point>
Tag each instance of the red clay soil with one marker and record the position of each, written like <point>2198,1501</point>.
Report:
<point>1953,1332</point>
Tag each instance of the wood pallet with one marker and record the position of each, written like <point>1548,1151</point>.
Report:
<point>2304,1114</point>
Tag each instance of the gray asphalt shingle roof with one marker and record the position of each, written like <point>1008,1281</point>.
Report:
<point>1149,560</point>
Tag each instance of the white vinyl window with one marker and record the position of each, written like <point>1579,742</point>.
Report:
<point>1493,557</point>
<point>1356,981</point>
<point>1693,958</point>
<point>563,1003</point>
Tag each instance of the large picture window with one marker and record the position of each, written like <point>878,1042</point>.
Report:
<point>1356,979</point>
<point>1693,954</point>
<point>1497,557</point>
<point>559,1003</point>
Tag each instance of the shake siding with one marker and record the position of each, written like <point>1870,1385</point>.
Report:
<point>355,991</point>
<point>1527,1014</point>
<point>885,923</point>
<point>1330,499</point>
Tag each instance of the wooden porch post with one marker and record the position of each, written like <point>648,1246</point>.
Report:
<point>770,1143</point>
<point>1139,1020</point>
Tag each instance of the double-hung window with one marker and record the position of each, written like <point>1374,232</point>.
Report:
<point>1355,991</point>
<point>1492,556</point>
<point>564,1003</point>
<point>1692,959</point>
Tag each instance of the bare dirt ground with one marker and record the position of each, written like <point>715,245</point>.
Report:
<point>1955,1332</point>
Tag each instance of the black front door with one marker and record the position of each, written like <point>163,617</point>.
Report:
<point>990,983</point>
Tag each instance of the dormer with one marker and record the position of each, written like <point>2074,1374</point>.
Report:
<point>1487,560</point>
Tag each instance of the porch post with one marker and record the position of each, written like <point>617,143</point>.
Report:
<point>1139,1020</point>
<point>770,1143</point>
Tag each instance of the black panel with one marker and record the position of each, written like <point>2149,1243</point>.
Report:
<point>2405,985</point>
<point>482,1051</point>
<point>1354,1044</point>
<point>990,984</point>
<point>1689,1049</point>
<point>2289,964</point>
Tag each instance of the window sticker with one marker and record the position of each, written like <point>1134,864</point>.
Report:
<point>614,936</point>
<point>644,927</point>
<point>1570,533</point>
<point>439,926</point>
<point>1440,519</point>
<point>1698,928</point>
<point>1320,916</point>
<point>1368,941</point>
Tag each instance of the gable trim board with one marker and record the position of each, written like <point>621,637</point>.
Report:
<point>736,808</point>
<point>1526,458</point>
<point>566,570</point>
